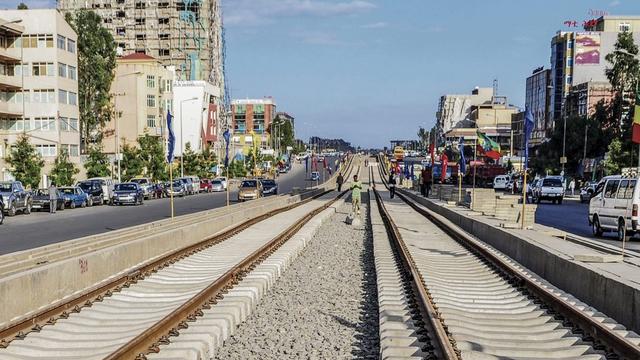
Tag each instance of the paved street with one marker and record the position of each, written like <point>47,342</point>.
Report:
<point>571,217</point>
<point>28,231</point>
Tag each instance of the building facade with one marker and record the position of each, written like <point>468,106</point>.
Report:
<point>453,110</point>
<point>251,120</point>
<point>195,117</point>
<point>538,99</point>
<point>40,94</point>
<point>142,94</point>
<point>583,98</point>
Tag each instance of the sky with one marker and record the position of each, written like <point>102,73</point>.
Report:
<point>369,71</point>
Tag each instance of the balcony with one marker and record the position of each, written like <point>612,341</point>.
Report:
<point>10,109</point>
<point>10,82</point>
<point>10,55</point>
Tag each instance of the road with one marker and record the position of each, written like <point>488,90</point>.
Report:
<point>23,232</point>
<point>572,217</point>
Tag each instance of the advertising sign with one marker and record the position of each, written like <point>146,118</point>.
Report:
<point>587,49</point>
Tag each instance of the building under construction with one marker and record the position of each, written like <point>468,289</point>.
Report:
<point>186,34</point>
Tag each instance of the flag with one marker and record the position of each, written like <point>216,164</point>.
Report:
<point>635,136</point>
<point>462,165</point>
<point>171,144</point>
<point>433,155</point>
<point>529,124</point>
<point>445,162</point>
<point>324,163</point>
<point>489,147</point>
<point>226,135</point>
<point>406,171</point>
<point>412,174</point>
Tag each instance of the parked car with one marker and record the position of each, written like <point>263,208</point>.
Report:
<point>223,180</point>
<point>500,182</point>
<point>40,200</point>
<point>74,196</point>
<point>587,191</point>
<point>315,176</point>
<point>94,191</point>
<point>178,188</point>
<point>195,183</point>
<point>614,206</point>
<point>158,190</point>
<point>107,185</point>
<point>127,193</point>
<point>269,187</point>
<point>217,185</point>
<point>250,189</point>
<point>1,211</point>
<point>15,198</point>
<point>205,185</point>
<point>188,185</point>
<point>549,188</point>
<point>145,184</point>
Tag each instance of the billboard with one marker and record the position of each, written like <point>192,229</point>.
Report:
<point>587,49</point>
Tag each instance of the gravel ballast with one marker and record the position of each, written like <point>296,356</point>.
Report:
<point>325,306</point>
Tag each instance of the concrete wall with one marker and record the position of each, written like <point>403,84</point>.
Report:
<point>617,298</point>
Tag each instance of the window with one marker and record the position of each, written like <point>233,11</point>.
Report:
<point>107,20</point>
<point>73,98</point>
<point>42,69</point>
<point>622,189</point>
<point>151,81</point>
<point>629,193</point>
<point>163,52</point>
<point>63,96</point>
<point>73,74</point>
<point>569,80</point>
<point>62,70</point>
<point>44,124</point>
<point>120,31</point>
<point>141,37</point>
<point>71,46</point>
<point>71,149</point>
<point>151,121</point>
<point>120,14</point>
<point>140,5</point>
<point>624,27</point>
<point>163,36</point>
<point>44,96</point>
<point>611,188</point>
<point>141,21</point>
<point>163,21</point>
<point>46,150</point>
<point>15,124</point>
<point>151,100</point>
<point>163,4</point>
<point>569,62</point>
<point>62,42</point>
<point>570,44</point>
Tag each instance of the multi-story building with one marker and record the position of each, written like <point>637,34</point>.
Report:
<point>184,34</point>
<point>196,120</point>
<point>583,98</point>
<point>44,63</point>
<point>579,57</point>
<point>538,99</point>
<point>453,110</point>
<point>251,120</point>
<point>141,93</point>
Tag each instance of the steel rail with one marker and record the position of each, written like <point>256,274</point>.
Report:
<point>149,340</point>
<point>428,308</point>
<point>61,310</point>
<point>609,338</point>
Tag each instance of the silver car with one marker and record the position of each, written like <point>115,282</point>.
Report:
<point>217,186</point>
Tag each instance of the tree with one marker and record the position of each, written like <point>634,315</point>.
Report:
<point>615,157</point>
<point>63,170</point>
<point>26,163</point>
<point>97,164</point>
<point>424,137</point>
<point>191,160</point>
<point>131,164</point>
<point>96,62</point>
<point>207,160</point>
<point>152,157</point>
<point>22,6</point>
<point>625,70</point>
<point>236,169</point>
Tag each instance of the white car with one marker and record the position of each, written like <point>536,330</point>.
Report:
<point>549,188</point>
<point>614,206</point>
<point>500,182</point>
<point>223,180</point>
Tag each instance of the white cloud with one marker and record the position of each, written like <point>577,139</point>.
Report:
<point>377,25</point>
<point>614,3</point>
<point>319,38</point>
<point>260,12</point>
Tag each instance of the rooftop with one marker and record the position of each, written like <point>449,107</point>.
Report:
<point>137,57</point>
<point>264,101</point>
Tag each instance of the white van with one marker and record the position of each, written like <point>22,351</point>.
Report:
<point>500,182</point>
<point>614,206</point>
<point>107,185</point>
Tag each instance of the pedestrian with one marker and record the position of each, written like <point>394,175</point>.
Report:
<point>340,181</point>
<point>423,182</point>
<point>392,185</point>
<point>572,186</point>
<point>53,198</point>
<point>356,188</point>
<point>428,179</point>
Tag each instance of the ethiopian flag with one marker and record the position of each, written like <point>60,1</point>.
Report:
<point>489,147</point>
<point>635,136</point>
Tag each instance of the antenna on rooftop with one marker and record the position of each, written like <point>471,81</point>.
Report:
<point>495,87</point>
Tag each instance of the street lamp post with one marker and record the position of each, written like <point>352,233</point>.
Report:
<point>181,137</point>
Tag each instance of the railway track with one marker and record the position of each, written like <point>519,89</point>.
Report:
<point>476,303</point>
<point>134,315</point>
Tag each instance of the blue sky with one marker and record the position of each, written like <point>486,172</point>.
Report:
<point>372,70</point>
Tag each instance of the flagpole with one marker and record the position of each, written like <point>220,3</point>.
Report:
<point>475,165</point>
<point>171,187</point>
<point>524,196</point>
<point>228,183</point>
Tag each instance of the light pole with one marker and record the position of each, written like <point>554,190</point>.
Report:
<point>181,137</point>
<point>116,115</point>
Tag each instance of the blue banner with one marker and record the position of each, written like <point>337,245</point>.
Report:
<point>171,145</point>
<point>226,135</point>
<point>528,129</point>
<point>463,165</point>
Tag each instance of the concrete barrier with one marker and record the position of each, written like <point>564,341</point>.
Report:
<point>616,297</point>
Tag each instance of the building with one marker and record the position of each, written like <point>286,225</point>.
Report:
<point>251,121</point>
<point>185,35</point>
<point>142,94</point>
<point>39,98</point>
<point>283,116</point>
<point>538,99</point>
<point>196,119</point>
<point>413,145</point>
<point>453,110</point>
<point>583,98</point>
<point>579,57</point>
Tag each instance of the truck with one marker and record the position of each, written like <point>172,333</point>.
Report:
<point>484,174</point>
<point>398,153</point>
